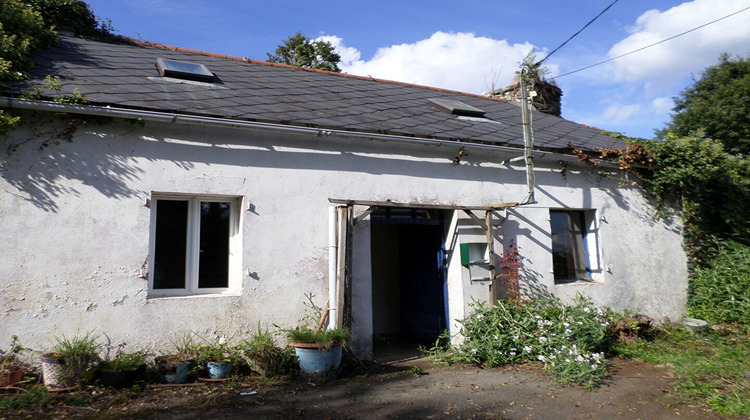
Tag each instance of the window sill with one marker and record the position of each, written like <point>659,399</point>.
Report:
<point>192,296</point>
<point>576,282</point>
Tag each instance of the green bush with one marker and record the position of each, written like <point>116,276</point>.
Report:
<point>720,292</point>
<point>569,340</point>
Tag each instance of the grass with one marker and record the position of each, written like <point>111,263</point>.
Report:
<point>709,367</point>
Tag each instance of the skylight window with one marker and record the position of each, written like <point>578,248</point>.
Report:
<point>457,107</point>
<point>183,70</point>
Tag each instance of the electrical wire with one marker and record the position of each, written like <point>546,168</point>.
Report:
<point>650,45</point>
<point>579,31</point>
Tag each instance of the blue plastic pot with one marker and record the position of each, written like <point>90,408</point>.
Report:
<point>180,376</point>
<point>314,361</point>
<point>219,370</point>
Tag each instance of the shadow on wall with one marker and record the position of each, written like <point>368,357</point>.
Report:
<point>530,279</point>
<point>39,162</point>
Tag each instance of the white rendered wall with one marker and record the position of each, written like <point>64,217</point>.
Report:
<point>76,234</point>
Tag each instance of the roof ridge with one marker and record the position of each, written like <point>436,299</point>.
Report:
<point>288,66</point>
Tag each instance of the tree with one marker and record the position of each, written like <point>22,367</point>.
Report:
<point>28,26</point>
<point>301,51</point>
<point>22,31</point>
<point>716,106</point>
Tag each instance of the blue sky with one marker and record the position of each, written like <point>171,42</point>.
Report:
<point>473,45</point>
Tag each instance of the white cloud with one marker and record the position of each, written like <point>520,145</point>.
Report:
<point>662,105</point>
<point>617,113</point>
<point>457,61</point>
<point>690,53</point>
<point>348,54</point>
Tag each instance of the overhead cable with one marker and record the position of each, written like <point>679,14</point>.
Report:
<point>650,45</point>
<point>579,31</point>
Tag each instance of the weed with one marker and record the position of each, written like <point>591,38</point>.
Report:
<point>185,344</point>
<point>77,401</point>
<point>416,370</point>
<point>720,291</point>
<point>709,367</point>
<point>264,357</point>
<point>36,397</point>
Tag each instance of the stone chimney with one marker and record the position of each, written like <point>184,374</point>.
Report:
<point>547,97</point>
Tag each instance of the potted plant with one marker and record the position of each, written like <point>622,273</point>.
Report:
<point>124,369</point>
<point>70,361</point>
<point>11,369</point>
<point>319,351</point>
<point>218,359</point>
<point>262,356</point>
<point>174,368</point>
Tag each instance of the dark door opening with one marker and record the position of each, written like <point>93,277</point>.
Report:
<point>408,276</point>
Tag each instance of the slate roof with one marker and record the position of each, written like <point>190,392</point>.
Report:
<point>124,75</point>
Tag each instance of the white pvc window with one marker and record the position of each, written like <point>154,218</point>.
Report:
<point>574,245</point>
<point>194,245</point>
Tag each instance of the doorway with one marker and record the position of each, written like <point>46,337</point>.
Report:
<point>408,277</point>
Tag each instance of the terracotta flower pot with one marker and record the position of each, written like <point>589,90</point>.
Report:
<point>10,377</point>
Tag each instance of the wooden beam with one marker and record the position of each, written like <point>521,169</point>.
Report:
<point>389,203</point>
<point>343,236</point>
<point>490,251</point>
<point>474,217</point>
<point>363,215</point>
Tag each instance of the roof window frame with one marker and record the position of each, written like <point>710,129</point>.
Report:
<point>180,70</point>
<point>458,108</point>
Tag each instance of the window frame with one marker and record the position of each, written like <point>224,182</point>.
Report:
<point>192,245</point>
<point>590,243</point>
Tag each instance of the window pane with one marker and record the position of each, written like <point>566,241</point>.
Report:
<point>213,268</point>
<point>568,252</point>
<point>170,244</point>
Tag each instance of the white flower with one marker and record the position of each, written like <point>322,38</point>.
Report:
<point>222,340</point>
<point>542,339</point>
<point>568,331</point>
<point>579,322</point>
<point>515,338</point>
<point>527,349</point>
<point>566,325</point>
<point>512,353</point>
<point>542,358</point>
<point>474,351</point>
<point>580,359</point>
<point>594,366</point>
<point>587,310</point>
<point>480,317</point>
<point>495,337</point>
